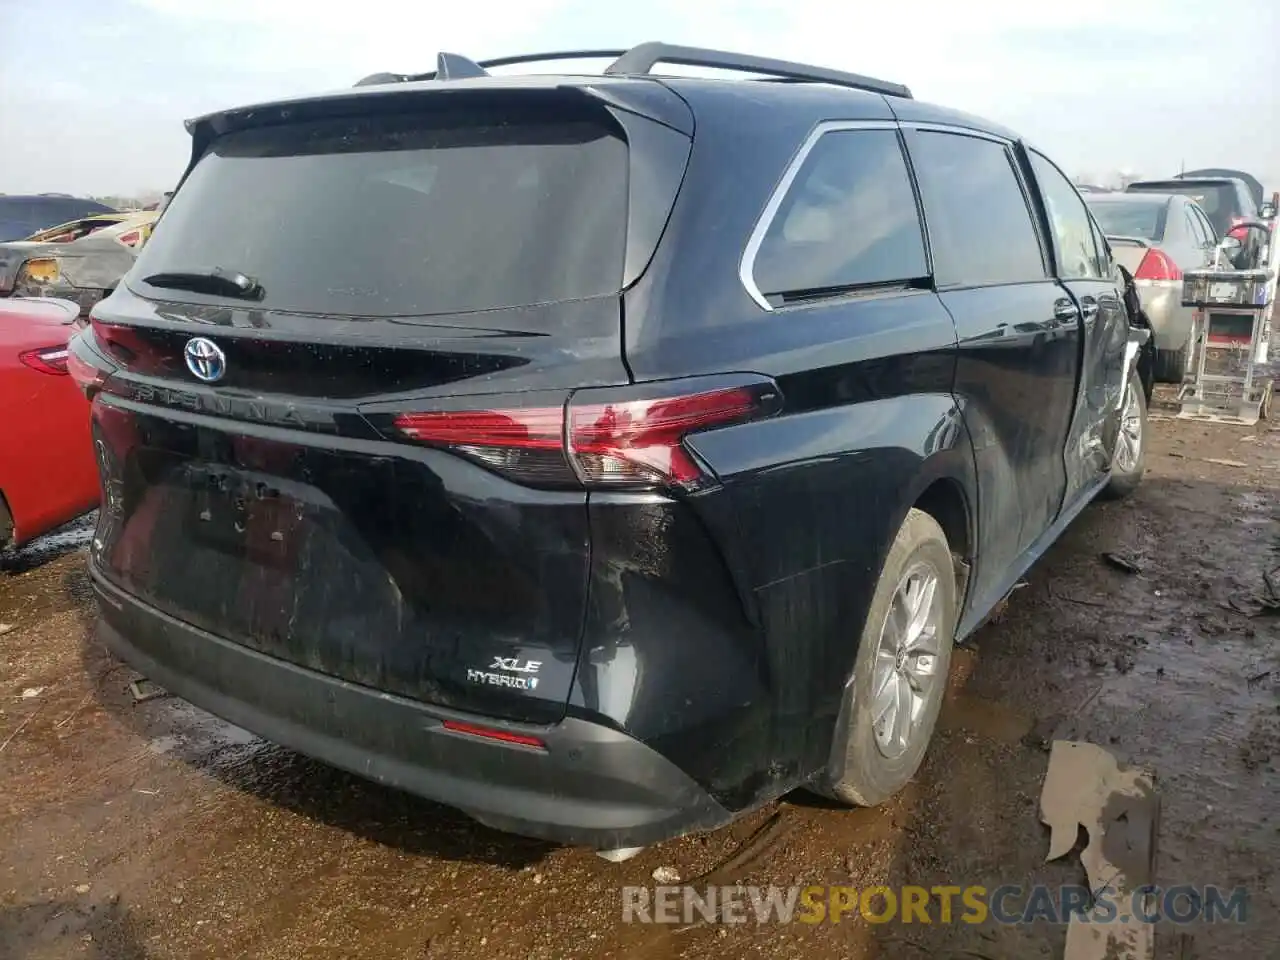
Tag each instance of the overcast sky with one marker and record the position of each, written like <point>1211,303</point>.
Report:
<point>93,92</point>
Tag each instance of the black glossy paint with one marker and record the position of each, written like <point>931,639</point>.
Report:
<point>717,629</point>
<point>1016,377</point>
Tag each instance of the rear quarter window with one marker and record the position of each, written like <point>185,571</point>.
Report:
<point>848,219</point>
<point>1141,218</point>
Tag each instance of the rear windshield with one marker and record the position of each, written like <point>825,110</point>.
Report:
<point>1131,218</point>
<point>392,215</point>
<point>1218,200</point>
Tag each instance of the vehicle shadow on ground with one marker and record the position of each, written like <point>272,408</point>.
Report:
<point>286,779</point>
<point>106,931</point>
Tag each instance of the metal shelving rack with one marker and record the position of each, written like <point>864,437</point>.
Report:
<point>1230,334</point>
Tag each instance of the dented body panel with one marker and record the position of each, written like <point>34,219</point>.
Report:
<point>705,633</point>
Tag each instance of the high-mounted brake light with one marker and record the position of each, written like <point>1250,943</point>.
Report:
<point>606,437</point>
<point>51,360</point>
<point>1157,265</point>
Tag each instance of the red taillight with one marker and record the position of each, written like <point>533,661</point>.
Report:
<point>130,239</point>
<point>533,428</point>
<point>638,442</point>
<point>1156,265</point>
<point>523,443</point>
<point>603,439</point>
<point>51,360</point>
<point>492,733</point>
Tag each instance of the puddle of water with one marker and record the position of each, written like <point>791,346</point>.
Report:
<point>201,738</point>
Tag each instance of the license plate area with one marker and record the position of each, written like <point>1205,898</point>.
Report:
<point>241,515</point>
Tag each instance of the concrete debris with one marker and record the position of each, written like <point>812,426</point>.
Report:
<point>666,875</point>
<point>1119,809</point>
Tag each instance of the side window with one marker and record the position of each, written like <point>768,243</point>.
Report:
<point>849,219</point>
<point>980,228</point>
<point>1248,209</point>
<point>1205,222</point>
<point>1105,266</point>
<point>1195,229</point>
<point>1070,221</point>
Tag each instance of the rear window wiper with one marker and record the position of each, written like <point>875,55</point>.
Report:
<point>217,282</point>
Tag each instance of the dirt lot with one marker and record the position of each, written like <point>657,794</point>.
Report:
<point>156,831</point>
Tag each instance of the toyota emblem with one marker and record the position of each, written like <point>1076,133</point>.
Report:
<point>205,359</point>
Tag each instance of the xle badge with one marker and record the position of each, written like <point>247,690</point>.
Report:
<point>510,672</point>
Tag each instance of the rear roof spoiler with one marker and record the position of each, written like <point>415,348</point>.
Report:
<point>640,61</point>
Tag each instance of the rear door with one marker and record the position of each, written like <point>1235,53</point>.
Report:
<point>1082,263</point>
<point>1207,229</point>
<point>1200,234</point>
<point>1184,238</point>
<point>1019,340</point>
<point>358,466</point>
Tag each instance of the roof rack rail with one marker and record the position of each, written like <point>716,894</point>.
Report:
<point>452,66</point>
<point>643,58</point>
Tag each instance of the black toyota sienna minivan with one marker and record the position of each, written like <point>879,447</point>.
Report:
<point>601,455</point>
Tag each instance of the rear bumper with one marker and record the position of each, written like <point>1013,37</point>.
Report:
<point>592,785</point>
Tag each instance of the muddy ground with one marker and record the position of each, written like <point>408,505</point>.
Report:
<point>155,831</point>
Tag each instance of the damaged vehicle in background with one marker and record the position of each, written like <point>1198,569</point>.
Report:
<point>1157,237</point>
<point>21,216</point>
<point>1229,204</point>
<point>81,268</point>
<point>82,227</point>
<point>431,511</point>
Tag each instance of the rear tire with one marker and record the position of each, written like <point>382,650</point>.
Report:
<point>891,702</point>
<point>1171,365</point>
<point>1129,462</point>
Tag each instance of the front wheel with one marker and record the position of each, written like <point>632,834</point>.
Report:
<point>891,703</point>
<point>1129,462</point>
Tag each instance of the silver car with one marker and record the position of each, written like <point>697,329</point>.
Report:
<point>1156,236</point>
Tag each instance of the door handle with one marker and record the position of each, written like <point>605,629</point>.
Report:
<point>1065,310</point>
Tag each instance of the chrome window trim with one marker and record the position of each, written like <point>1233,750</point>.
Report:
<point>925,126</point>
<point>747,264</point>
<point>765,220</point>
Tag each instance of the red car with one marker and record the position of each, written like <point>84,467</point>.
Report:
<point>48,474</point>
